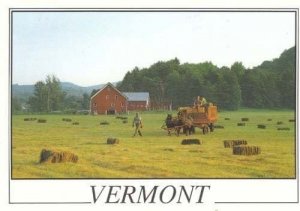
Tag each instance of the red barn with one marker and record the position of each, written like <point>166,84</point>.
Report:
<point>108,100</point>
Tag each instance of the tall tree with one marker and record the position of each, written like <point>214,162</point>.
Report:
<point>239,69</point>
<point>48,96</point>
<point>228,91</point>
<point>38,102</point>
<point>55,94</point>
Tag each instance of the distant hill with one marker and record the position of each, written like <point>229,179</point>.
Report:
<point>23,92</point>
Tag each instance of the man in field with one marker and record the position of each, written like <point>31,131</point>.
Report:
<point>137,122</point>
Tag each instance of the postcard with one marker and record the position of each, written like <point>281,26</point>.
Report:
<point>153,108</point>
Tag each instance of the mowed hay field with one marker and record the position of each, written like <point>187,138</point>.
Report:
<point>155,155</point>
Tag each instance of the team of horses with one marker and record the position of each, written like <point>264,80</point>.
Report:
<point>180,122</point>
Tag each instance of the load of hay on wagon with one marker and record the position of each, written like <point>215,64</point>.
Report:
<point>188,118</point>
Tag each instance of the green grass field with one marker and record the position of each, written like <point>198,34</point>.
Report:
<point>155,155</point>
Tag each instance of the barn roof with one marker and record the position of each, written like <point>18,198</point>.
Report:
<point>137,96</point>
<point>112,86</point>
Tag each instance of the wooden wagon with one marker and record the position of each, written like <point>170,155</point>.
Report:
<point>202,117</point>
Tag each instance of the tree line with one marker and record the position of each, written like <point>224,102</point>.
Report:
<point>269,85</point>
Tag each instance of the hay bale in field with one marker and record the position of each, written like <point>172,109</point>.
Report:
<point>125,121</point>
<point>75,123</point>
<point>29,119</point>
<point>104,123</point>
<point>245,119</point>
<point>232,143</point>
<point>283,128</point>
<point>246,150</point>
<point>227,118</point>
<point>219,126</point>
<point>122,117</point>
<point>66,120</point>
<point>42,121</point>
<point>112,141</point>
<point>269,120</point>
<point>260,126</point>
<point>51,156</point>
<point>291,120</point>
<point>241,124</point>
<point>191,141</point>
<point>279,123</point>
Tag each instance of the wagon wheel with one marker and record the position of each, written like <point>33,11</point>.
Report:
<point>211,127</point>
<point>205,129</point>
<point>184,130</point>
<point>193,131</point>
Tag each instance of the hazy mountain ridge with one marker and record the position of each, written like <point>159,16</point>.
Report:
<point>23,92</point>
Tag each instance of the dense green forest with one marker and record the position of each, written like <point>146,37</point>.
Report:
<point>269,85</point>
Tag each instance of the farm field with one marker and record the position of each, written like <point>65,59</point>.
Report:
<point>155,155</point>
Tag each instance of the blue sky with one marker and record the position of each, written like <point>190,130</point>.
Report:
<point>92,48</point>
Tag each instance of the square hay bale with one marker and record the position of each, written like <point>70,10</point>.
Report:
<point>241,124</point>
<point>125,121</point>
<point>66,120</point>
<point>245,119</point>
<point>219,126</point>
<point>29,119</point>
<point>260,126</point>
<point>104,123</point>
<point>246,150</point>
<point>121,117</point>
<point>42,121</point>
<point>291,120</point>
<point>112,141</point>
<point>75,123</point>
<point>283,128</point>
<point>191,141</point>
<point>52,156</point>
<point>227,118</point>
<point>232,143</point>
<point>279,123</point>
<point>269,120</point>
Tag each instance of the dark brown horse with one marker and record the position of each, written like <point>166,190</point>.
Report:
<point>177,123</point>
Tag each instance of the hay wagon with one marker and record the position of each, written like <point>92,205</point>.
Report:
<point>202,117</point>
<point>190,117</point>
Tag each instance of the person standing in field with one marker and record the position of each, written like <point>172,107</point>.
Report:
<point>137,123</point>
